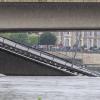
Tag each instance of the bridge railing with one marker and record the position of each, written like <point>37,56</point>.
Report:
<point>29,49</point>
<point>33,48</point>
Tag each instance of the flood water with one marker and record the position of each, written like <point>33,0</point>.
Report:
<point>49,88</point>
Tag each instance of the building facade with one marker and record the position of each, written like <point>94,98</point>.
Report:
<point>86,39</point>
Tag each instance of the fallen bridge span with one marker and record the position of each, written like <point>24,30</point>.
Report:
<point>35,62</point>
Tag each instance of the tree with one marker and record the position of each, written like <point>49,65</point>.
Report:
<point>6,35</point>
<point>33,40</point>
<point>19,37</point>
<point>47,38</point>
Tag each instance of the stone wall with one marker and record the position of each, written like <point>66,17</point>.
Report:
<point>87,58</point>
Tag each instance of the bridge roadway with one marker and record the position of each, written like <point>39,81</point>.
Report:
<point>43,58</point>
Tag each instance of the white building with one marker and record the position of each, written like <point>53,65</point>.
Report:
<point>87,39</point>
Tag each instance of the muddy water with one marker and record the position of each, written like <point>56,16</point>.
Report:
<point>49,88</point>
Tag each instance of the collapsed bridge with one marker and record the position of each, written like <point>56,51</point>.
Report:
<point>19,59</point>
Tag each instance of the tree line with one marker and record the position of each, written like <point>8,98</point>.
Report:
<point>46,38</point>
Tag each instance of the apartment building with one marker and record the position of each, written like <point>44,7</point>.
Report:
<point>85,39</point>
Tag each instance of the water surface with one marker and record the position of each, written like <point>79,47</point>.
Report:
<point>49,88</point>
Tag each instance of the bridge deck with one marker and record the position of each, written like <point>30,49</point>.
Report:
<point>44,58</point>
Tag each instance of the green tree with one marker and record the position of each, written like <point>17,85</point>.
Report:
<point>7,35</point>
<point>47,38</point>
<point>33,40</point>
<point>20,37</point>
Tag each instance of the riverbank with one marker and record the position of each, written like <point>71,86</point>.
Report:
<point>91,60</point>
<point>87,58</point>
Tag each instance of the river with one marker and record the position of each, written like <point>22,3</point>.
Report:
<point>49,88</point>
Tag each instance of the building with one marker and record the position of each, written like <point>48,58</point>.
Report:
<point>86,39</point>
